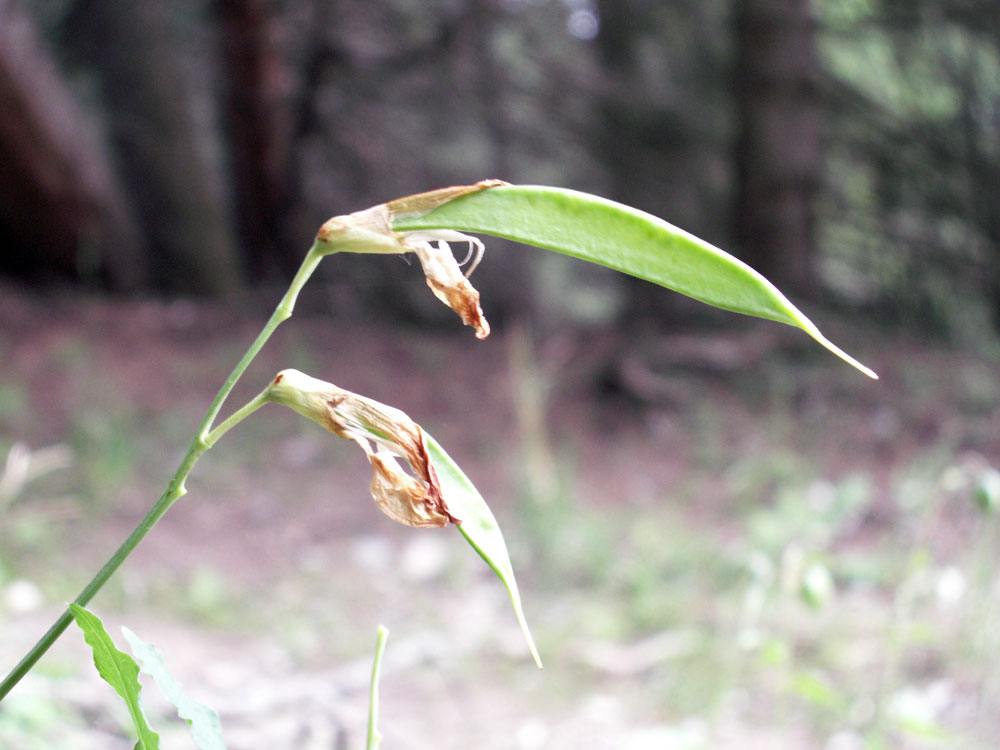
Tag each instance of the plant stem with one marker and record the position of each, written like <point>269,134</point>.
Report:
<point>203,440</point>
<point>235,418</point>
<point>281,313</point>
<point>374,736</point>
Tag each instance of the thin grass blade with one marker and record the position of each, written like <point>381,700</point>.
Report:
<point>374,736</point>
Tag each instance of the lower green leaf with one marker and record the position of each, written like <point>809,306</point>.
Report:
<point>119,670</point>
<point>205,725</point>
<point>479,527</point>
<point>434,493</point>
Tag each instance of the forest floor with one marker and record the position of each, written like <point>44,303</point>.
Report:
<point>723,541</point>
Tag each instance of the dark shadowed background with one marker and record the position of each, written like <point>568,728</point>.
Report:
<point>727,539</point>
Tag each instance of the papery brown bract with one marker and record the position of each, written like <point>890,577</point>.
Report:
<point>449,284</point>
<point>404,499</point>
<point>384,433</point>
<point>370,231</point>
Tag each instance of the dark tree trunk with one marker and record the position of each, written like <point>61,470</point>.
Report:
<point>779,152</point>
<point>660,143</point>
<point>506,281</point>
<point>633,133</point>
<point>259,124</point>
<point>161,142</point>
<point>62,210</point>
<point>982,165</point>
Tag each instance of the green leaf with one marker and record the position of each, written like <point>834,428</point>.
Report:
<point>479,527</point>
<point>205,725</point>
<point>119,670</point>
<point>619,237</point>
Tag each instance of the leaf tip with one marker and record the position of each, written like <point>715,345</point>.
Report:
<point>847,357</point>
<point>537,658</point>
<point>809,327</point>
<point>527,634</point>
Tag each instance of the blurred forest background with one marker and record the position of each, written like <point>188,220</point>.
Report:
<point>848,149</point>
<point>724,541</point>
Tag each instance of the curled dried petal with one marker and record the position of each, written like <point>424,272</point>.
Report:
<point>409,501</point>
<point>412,498</point>
<point>445,277</point>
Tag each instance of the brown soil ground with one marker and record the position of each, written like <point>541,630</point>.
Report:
<point>264,585</point>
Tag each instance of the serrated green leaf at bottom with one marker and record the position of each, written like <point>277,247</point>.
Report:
<point>119,670</point>
<point>204,721</point>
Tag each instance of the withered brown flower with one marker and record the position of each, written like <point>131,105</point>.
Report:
<point>444,276</point>
<point>370,231</point>
<point>386,435</point>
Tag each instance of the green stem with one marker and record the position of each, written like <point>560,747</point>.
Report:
<point>374,736</point>
<point>204,439</point>
<point>235,418</point>
<point>281,313</point>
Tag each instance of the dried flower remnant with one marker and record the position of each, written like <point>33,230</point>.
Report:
<point>384,433</point>
<point>370,231</point>
<point>422,203</point>
<point>444,276</point>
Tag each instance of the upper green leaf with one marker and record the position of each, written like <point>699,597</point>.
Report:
<point>119,670</point>
<point>619,237</point>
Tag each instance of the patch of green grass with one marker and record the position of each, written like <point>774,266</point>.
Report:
<point>15,404</point>
<point>37,722</point>
<point>205,596</point>
<point>108,446</point>
<point>845,605</point>
<point>35,503</point>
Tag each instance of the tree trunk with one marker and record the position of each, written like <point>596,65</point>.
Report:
<point>632,134</point>
<point>61,207</point>
<point>507,281</point>
<point>664,128</point>
<point>259,124</point>
<point>779,152</point>
<point>162,146</point>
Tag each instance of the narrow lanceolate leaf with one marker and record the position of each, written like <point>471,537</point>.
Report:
<point>205,725</point>
<point>623,238</point>
<point>119,670</point>
<point>479,527</point>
